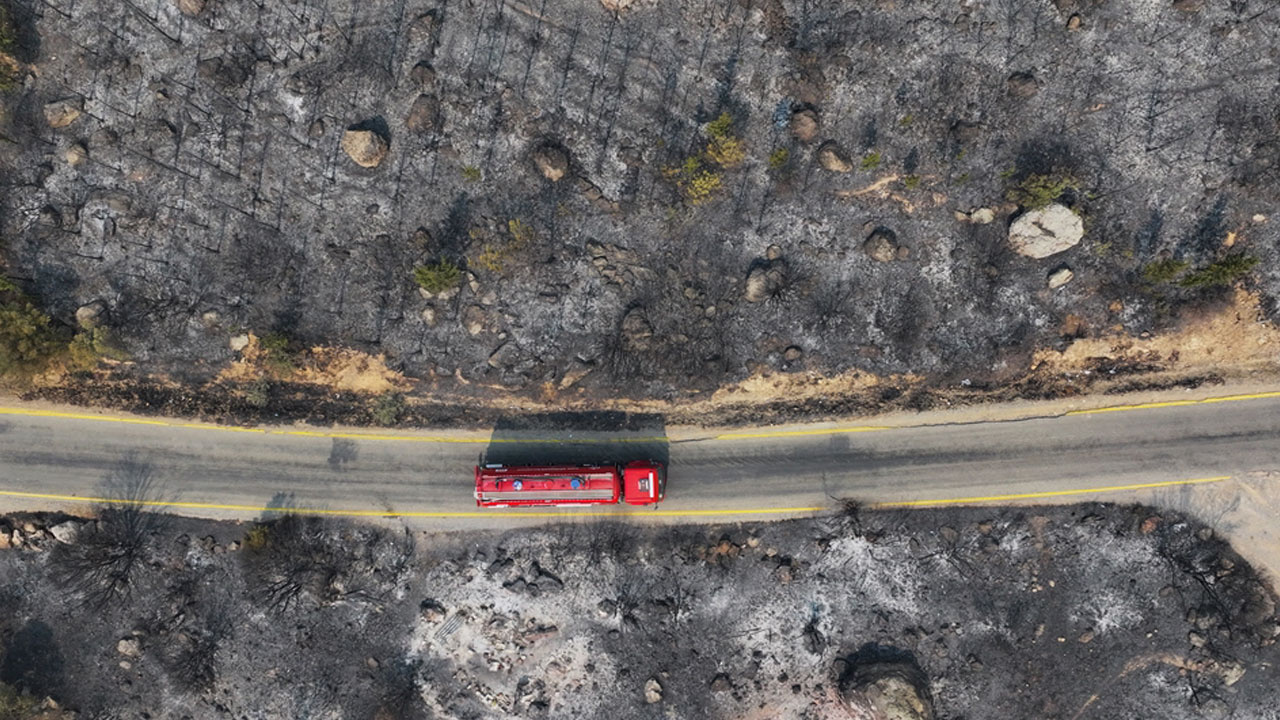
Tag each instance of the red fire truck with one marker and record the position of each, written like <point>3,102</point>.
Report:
<point>640,482</point>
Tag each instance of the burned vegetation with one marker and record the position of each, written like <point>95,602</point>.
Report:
<point>867,614</point>
<point>623,196</point>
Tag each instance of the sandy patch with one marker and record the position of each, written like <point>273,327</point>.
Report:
<point>1233,337</point>
<point>337,368</point>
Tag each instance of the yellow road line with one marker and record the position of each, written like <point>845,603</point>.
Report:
<point>1176,403</point>
<point>256,509</point>
<point>175,504</point>
<point>485,440</point>
<point>1047,494</point>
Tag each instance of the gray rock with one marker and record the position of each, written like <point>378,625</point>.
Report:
<point>1046,231</point>
<point>551,161</point>
<point>1022,85</point>
<point>765,280</point>
<point>793,353</point>
<point>366,148</point>
<point>474,320</point>
<point>423,74</point>
<point>76,154</point>
<point>637,333</point>
<point>65,532</point>
<point>91,315</point>
<point>880,245</point>
<point>61,113</point>
<point>652,691</point>
<point>422,115</point>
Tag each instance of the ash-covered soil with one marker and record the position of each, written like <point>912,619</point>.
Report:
<point>1091,611</point>
<point>183,164</point>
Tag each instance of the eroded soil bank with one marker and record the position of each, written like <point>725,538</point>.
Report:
<point>974,612</point>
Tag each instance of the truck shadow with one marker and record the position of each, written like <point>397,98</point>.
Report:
<point>577,438</point>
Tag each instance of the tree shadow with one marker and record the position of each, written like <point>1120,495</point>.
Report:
<point>600,437</point>
<point>32,661</point>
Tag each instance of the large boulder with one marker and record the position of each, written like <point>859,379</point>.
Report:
<point>551,161</point>
<point>1046,231</point>
<point>365,147</point>
<point>765,279</point>
<point>804,125</point>
<point>890,687</point>
<point>832,157</point>
<point>881,245</point>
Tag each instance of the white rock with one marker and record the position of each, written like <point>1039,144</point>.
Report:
<point>239,342</point>
<point>1046,231</point>
<point>65,532</point>
<point>982,216</point>
<point>652,691</point>
<point>1060,277</point>
<point>129,647</point>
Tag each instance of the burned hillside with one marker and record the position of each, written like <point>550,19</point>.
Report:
<point>947,614</point>
<point>669,195</point>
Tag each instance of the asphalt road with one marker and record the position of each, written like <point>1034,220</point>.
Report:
<point>50,459</point>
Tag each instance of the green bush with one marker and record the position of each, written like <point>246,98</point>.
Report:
<point>871,160</point>
<point>1221,273</point>
<point>27,337</point>
<point>911,182</point>
<point>778,158</point>
<point>90,346</point>
<point>14,705</point>
<point>437,277</point>
<point>1159,272</point>
<point>1037,191</point>
<point>277,352</point>
<point>388,408</point>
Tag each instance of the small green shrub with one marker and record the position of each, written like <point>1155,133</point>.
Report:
<point>723,148</point>
<point>257,538</point>
<point>907,120</point>
<point>277,352</point>
<point>90,346</point>
<point>13,704</point>
<point>521,233</point>
<point>1038,191</point>
<point>472,174</point>
<point>778,158</point>
<point>719,128</point>
<point>1159,272</point>
<point>8,30</point>
<point>387,408</point>
<point>258,394</point>
<point>1221,273</point>
<point>871,160</point>
<point>911,182</point>
<point>437,277</point>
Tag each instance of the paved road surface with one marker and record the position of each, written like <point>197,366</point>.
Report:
<point>48,460</point>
